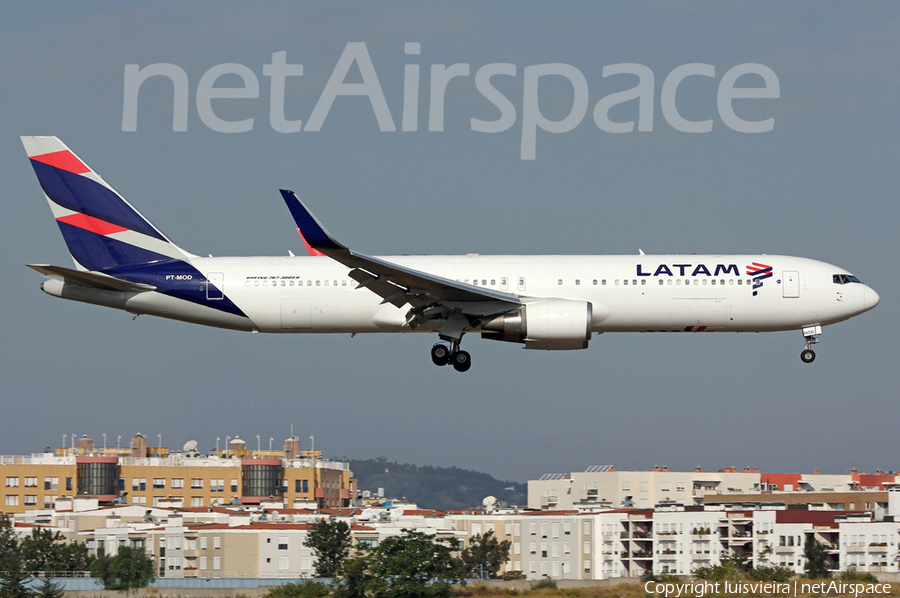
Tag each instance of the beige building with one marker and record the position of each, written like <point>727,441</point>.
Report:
<point>606,487</point>
<point>150,476</point>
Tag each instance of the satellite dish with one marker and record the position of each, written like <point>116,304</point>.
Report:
<point>190,446</point>
<point>489,501</point>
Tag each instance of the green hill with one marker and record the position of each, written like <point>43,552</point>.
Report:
<point>431,487</point>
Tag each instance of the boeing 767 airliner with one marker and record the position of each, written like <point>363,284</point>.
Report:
<point>545,302</point>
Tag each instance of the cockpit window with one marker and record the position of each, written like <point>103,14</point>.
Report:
<point>844,279</point>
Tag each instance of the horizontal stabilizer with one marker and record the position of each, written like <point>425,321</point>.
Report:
<point>90,279</point>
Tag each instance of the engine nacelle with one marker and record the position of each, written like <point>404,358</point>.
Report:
<point>553,324</point>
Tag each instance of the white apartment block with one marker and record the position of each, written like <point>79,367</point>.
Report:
<point>604,486</point>
<point>574,544</point>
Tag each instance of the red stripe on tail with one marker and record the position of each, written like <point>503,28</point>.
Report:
<point>95,225</point>
<point>64,160</point>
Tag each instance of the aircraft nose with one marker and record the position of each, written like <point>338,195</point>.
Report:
<point>870,299</point>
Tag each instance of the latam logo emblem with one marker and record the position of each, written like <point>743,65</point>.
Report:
<point>759,272</point>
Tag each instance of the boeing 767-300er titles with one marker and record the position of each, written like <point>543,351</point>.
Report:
<point>542,301</point>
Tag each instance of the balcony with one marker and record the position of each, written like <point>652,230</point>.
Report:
<point>641,554</point>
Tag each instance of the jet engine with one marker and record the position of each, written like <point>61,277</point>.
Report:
<point>552,324</point>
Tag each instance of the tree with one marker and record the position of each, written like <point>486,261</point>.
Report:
<point>330,542</point>
<point>46,550</point>
<point>411,565</point>
<point>816,559</point>
<point>48,589</point>
<point>14,578</point>
<point>485,553</point>
<point>131,568</point>
<point>9,544</point>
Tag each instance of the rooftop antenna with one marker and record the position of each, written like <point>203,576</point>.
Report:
<point>190,446</point>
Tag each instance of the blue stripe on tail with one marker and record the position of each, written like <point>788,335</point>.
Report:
<point>83,195</point>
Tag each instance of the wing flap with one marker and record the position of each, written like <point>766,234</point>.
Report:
<point>90,279</point>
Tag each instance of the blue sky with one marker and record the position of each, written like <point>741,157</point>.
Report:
<point>821,184</point>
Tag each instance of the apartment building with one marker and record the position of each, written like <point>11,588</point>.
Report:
<point>153,476</point>
<point>258,541</point>
<point>604,486</point>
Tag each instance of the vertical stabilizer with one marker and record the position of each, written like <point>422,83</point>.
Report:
<point>100,228</point>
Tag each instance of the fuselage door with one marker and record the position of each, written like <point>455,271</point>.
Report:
<point>295,313</point>
<point>215,285</point>
<point>790,284</point>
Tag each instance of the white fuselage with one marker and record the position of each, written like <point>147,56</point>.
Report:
<point>628,293</point>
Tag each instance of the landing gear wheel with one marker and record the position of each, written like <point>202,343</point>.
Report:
<point>440,354</point>
<point>807,356</point>
<point>462,361</point>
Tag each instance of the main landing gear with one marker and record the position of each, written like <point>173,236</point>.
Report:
<point>441,354</point>
<point>807,355</point>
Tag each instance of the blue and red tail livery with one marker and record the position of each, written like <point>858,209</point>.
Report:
<point>101,229</point>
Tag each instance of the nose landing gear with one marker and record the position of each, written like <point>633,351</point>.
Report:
<point>441,354</point>
<point>809,335</point>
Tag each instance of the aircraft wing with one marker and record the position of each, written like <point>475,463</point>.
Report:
<point>90,279</point>
<point>397,284</point>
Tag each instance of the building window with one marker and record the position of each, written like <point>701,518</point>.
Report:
<point>196,501</point>
<point>30,482</point>
<point>31,500</point>
<point>177,483</point>
<point>12,482</point>
<point>282,563</point>
<point>68,483</point>
<point>196,483</point>
<point>203,562</point>
<point>217,542</point>
<point>217,562</point>
<point>159,483</point>
<point>12,500</point>
<point>282,543</point>
<point>234,486</point>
